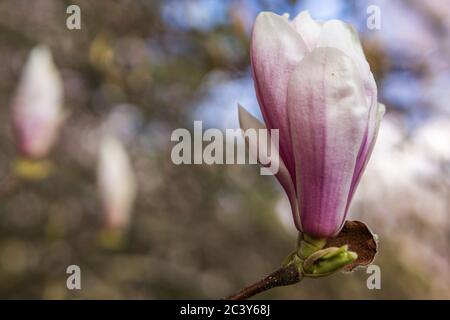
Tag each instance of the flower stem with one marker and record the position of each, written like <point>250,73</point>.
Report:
<point>283,276</point>
<point>310,259</point>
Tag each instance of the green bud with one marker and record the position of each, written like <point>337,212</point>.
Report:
<point>335,252</point>
<point>321,254</point>
<point>307,245</point>
<point>291,258</point>
<point>314,261</point>
<point>327,261</point>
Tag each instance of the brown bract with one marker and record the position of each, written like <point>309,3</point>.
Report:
<point>359,239</point>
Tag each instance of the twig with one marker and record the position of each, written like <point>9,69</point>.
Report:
<point>284,276</point>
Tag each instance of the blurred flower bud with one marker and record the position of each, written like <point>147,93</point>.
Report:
<point>116,183</point>
<point>37,105</point>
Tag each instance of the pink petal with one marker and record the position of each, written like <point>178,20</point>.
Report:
<point>328,115</point>
<point>366,150</point>
<point>276,48</point>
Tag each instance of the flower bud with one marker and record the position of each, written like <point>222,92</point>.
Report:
<point>116,184</point>
<point>314,84</point>
<point>327,261</point>
<point>37,105</point>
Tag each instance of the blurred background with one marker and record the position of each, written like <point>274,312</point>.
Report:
<point>140,69</point>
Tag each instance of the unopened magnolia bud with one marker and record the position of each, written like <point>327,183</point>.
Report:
<point>37,105</point>
<point>315,86</point>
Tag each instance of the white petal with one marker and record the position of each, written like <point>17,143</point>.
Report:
<point>343,36</point>
<point>308,28</point>
<point>381,110</point>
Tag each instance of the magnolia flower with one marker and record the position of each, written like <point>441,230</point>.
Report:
<point>313,83</point>
<point>37,105</point>
<point>116,183</point>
